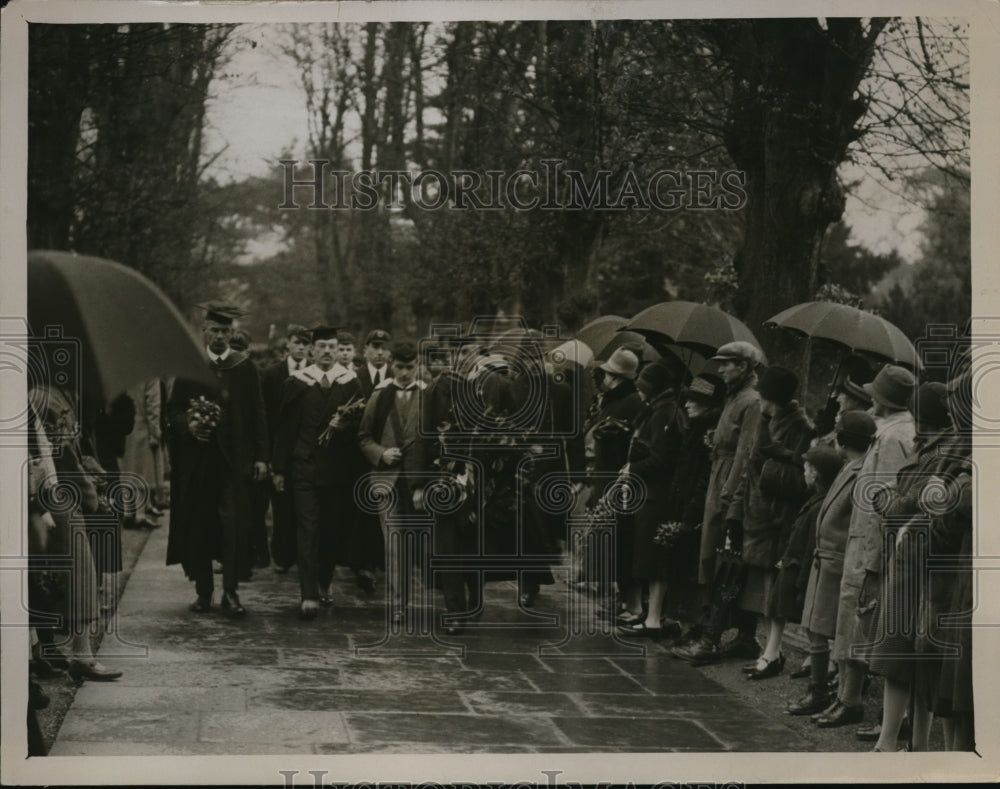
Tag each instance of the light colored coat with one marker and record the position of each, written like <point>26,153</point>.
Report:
<point>892,447</point>
<point>731,443</point>
<point>819,614</point>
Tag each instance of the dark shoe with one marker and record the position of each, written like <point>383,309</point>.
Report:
<point>43,669</point>
<point>772,669</point>
<point>626,617</point>
<point>639,630</point>
<point>815,700</point>
<point>834,705</point>
<point>873,732</point>
<point>37,699</point>
<point>800,673</point>
<point>842,716</point>
<point>92,671</point>
<point>699,654</point>
<point>262,563</point>
<point>308,610</point>
<point>365,581</point>
<point>748,648</point>
<point>231,606</point>
<point>202,605</point>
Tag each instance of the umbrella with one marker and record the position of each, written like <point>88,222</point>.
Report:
<point>125,329</point>
<point>849,327</point>
<point>571,351</point>
<point>604,336</point>
<point>697,327</point>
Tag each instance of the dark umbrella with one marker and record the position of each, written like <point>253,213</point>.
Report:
<point>849,327</point>
<point>697,327</point>
<point>128,331</point>
<point>604,336</point>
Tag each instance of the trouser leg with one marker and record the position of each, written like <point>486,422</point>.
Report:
<point>307,515</point>
<point>283,536</point>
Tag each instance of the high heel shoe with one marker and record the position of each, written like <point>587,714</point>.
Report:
<point>772,668</point>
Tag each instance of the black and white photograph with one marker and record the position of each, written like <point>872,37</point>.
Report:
<point>534,392</point>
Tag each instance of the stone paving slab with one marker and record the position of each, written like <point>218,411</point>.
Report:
<point>277,726</point>
<point>452,730</point>
<point>640,733</point>
<point>272,684</point>
<point>356,700</point>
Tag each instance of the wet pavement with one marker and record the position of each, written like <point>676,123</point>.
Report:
<point>346,683</point>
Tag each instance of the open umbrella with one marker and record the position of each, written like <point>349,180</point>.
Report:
<point>604,336</point>
<point>128,331</point>
<point>698,327</point>
<point>849,327</point>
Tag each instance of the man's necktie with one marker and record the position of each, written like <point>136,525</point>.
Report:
<point>378,376</point>
<point>324,382</point>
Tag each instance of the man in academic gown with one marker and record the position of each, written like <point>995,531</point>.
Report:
<point>214,467</point>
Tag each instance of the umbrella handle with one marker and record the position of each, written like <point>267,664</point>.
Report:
<point>836,376</point>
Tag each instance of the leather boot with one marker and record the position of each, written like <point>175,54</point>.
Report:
<point>815,700</point>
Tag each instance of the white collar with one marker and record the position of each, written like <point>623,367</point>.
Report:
<point>372,369</point>
<point>219,357</point>
<point>313,374</point>
<point>293,365</point>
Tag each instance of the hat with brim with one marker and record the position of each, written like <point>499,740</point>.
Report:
<point>892,387</point>
<point>623,363</point>
<point>655,378</point>
<point>738,351</point>
<point>707,389</point>
<point>849,387</point>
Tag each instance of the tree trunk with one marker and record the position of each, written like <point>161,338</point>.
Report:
<point>793,115</point>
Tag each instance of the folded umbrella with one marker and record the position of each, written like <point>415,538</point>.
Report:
<point>127,330</point>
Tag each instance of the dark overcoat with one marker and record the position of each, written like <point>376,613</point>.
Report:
<point>775,487</point>
<point>653,454</point>
<point>198,469</point>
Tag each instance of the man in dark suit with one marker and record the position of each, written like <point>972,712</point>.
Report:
<point>272,384</point>
<point>389,439</point>
<point>309,458</point>
<point>215,466</point>
<point>375,370</point>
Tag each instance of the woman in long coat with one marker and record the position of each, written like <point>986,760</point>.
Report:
<point>894,652</point>
<point>776,490</point>
<point>652,460</point>
<point>855,430</point>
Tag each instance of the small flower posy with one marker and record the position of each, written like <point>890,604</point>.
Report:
<point>206,412</point>
<point>667,533</point>
<point>347,417</point>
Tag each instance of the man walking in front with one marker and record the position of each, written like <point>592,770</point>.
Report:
<point>220,446</point>
<point>306,451</point>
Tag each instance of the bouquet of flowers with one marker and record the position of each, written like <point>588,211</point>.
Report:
<point>346,418</point>
<point>667,533</point>
<point>205,412</point>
